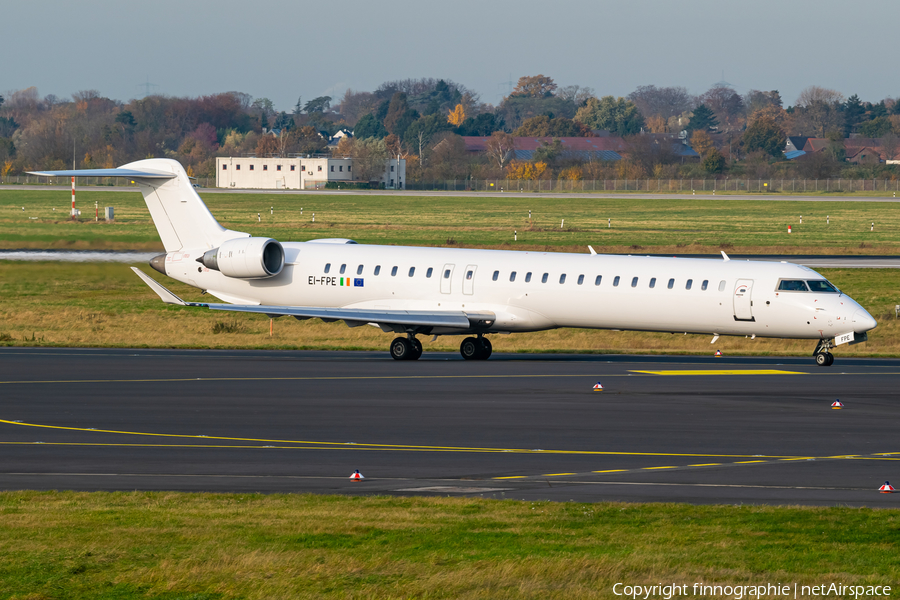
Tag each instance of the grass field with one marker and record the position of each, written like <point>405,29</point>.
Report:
<point>165,546</point>
<point>72,304</point>
<point>677,225</point>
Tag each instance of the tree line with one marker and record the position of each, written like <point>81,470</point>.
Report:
<point>424,121</point>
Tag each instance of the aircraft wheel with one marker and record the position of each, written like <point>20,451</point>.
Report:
<point>470,349</point>
<point>824,359</point>
<point>486,349</point>
<point>416,349</point>
<point>401,349</point>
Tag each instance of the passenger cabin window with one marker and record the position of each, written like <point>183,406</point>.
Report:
<point>704,285</point>
<point>412,271</point>
<point>377,269</point>
<point>616,281</point>
<point>429,272</point>
<point>580,279</point>
<point>598,279</point>
<point>493,278</point>
<point>634,281</point>
<point>671,284</point>
<point>512,276</point>
<point>327,267</point>
<point>470,273</point>
<point>394,272</point>
<point>820,285</point>
<point>528,277</point>
<point>544,277</point>
<point>722,286</point>
<point>562,278</point>
<point>688,284</point>
<point>447,274</point>
<point>359,270</point>
<point>343,268</point>
<point>652,282</point>
<point>792,285</point>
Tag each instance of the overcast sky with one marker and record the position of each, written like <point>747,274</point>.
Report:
<point>281,49</point>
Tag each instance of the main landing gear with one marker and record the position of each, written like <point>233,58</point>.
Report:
<point>476,348</point>
<point>823,357</point>
<point>471,348</point>
<point>406,348</point>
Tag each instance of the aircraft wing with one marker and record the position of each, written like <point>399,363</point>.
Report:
<point>386,319</point>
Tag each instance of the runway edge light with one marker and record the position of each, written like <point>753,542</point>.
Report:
<point>357,476</point>
<point>598,387</point>
<point>887,488</point>
<point>837,404</point>
<point>718,353</point>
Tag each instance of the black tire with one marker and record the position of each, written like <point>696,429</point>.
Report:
<point>830,359</point>
<point>470,348</point>
<point>416,350</point>
<point>401,349</point>
<point>486,349</point>
<point>822,359</point>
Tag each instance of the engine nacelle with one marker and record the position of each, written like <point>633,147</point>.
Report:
<point>246,258</point>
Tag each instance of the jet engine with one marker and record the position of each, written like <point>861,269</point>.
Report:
<point>246,258</point>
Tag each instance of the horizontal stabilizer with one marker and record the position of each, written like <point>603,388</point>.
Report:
<point>130,173</point>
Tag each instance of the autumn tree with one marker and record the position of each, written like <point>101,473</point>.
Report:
<point>890,143</point>
<point>714,162</point>
<point>618,115</point>
<point>727,104</point>
<point>764,134</point>
<point>420,133</point>
<point>535,86</point>
<point>702,143</point>
<point>818,111</point>
<point>355,105</point>
<point>544,126</point>
<point>457,116</point>
<point>500,148</point>
<point>665,102</point>
<point>267,146</point>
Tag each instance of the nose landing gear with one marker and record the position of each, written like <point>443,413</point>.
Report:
<point>476,348</point>
<point>823,357</point>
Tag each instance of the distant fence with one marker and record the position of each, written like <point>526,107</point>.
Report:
<point>776,186</point>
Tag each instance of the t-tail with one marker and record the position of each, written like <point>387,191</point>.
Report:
<point>180,216</point>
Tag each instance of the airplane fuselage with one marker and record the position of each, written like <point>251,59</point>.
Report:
<point>531,291</point>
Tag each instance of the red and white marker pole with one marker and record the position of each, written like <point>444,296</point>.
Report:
<point>73,197</point>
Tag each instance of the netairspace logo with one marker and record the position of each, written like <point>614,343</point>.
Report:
<point>740,592</point>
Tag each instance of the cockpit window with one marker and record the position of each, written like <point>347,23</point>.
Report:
<point>792,285</point>
<point>820,285</point>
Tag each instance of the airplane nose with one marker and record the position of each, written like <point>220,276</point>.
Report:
<point>863,321</point>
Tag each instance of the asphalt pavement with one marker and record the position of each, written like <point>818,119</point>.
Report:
<point>664,428</point>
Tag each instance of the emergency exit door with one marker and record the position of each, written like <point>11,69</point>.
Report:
<point>469,280</point>
<point>743,304</point>
<point>446,278</point>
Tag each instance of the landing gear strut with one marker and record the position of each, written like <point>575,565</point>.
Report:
<point>408,348</point>
<point>476,348</point>
<point>823,357</point>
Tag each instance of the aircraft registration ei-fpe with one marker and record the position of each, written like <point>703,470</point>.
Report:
<point>414,291</point>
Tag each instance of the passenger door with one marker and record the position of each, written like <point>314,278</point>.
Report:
<point>743,305</point>
<point>469,280</point>
<point>446,278</point>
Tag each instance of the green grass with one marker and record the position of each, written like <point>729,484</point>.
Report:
<point>678,224</point>
<point>202,546</point>
<point>106,305</point>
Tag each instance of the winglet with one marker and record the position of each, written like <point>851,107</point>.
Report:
<point>593,252</point>
<point>725,256</point>
<point>166,296</point>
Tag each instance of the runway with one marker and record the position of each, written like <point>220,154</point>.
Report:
<point>672,429</point>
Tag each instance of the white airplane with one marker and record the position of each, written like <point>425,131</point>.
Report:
<point>451,291</point>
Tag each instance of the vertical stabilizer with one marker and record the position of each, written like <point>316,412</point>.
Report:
<point>180,216</point>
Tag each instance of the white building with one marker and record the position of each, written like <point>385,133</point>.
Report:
<point>298,173</point>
